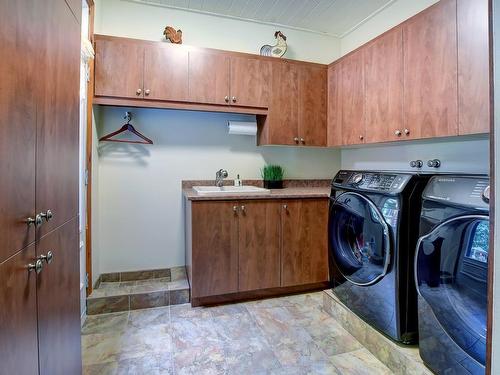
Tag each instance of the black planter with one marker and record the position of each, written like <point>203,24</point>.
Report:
<point>273,184</point>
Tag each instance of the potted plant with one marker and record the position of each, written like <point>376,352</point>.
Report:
<point>273,176</point>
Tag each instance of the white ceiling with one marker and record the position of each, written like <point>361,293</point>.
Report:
<point>333,17</point>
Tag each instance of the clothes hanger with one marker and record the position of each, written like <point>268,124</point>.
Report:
<point>126,127</point>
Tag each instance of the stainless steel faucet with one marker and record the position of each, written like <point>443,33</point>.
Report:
<point>219,177</point>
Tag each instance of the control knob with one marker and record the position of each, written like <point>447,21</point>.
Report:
<point>357,178</point>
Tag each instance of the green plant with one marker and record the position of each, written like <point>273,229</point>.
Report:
<point>272,173</point>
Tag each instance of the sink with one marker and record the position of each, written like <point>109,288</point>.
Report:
<point>207,190</point>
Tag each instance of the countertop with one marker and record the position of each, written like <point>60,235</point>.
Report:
<point>286,193</point>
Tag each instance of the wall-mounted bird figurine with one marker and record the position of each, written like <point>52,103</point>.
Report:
<point>175,36</point>
<point>277,50</point>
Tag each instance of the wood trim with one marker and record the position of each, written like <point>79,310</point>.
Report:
<point>88,155</point>
<point>257,294</point>
<point>142,103</point>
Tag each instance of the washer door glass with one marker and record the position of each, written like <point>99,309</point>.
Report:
<point>359,239</point>
<point>451,271</point>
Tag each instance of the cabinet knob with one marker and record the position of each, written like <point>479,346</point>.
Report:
<point>47,215</point>
<point>146,92</point>
<point>235,208</point>
<point>397,133</point>
<point>37,221</point>
<point>285,207</point>
<point>434,163</point>
<point>407,131</point>
<point>361,137</point>
<point>47,258</point>
<point>302,140</point>
<point>243,208</point>
<point>233,99</point>
<point>37,266</point>
<point>226,99</point>
<point>296,139</point>
<point>138,92</point>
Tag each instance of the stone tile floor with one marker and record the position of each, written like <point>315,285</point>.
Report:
<point>287,335</point>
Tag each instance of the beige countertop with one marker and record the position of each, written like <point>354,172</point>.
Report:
<point>286,193</point>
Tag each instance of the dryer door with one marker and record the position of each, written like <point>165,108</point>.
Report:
<point>359,239</point>
<point>451,273</point>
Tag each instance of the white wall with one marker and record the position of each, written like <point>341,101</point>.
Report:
<point>140,198</point>
<point>129,19</point>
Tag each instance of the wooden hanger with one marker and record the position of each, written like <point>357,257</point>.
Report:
<point>127,127</point>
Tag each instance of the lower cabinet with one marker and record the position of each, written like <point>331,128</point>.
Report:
<point>251,248</point>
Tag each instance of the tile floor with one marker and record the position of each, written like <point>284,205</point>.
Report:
<point>287,335</point>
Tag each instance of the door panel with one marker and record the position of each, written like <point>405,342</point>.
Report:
<point>58,117</point>
<point>58,296</point>
<point>215,248</point>
<point>208,78</point>
<point>304,242</point>
<point>312,105</point>
<point>334,106</point>
<point>166,73</point>
<point>473,67</point>
<point>259,245</point>
<point>250,82</point>
<point>18,320</point>
<point>383,72</point>
<point>430,71</point>
<point>119,68</point>
<point>353,99</point>
<point>19,69</point>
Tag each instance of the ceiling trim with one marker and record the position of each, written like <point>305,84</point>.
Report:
<point>334,35</point>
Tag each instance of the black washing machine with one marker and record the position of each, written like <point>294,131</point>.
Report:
<point>373,231</point>
<point>451,270</point>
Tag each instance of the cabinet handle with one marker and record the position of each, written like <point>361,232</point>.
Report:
<point>361,137</point>
<point>138,92</point>
<point>226,99</point>
<point>302,140</point>
<point>407,131</point>
<point>37,221</point>
<point>37,266</point>
<point>233,99</point>
<point>285,207</point>
<point>47,258</point>
<point>146,92</point>
<point>397,133</point>
<point>235,208</point>
<point>296,139</point>
<point>243,209</point>
<point>47,215</point>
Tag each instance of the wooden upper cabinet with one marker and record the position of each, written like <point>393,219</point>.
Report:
<point>334,110</point>
<point>473,67</point>
<point>383,72</point>
<point>119,68</point>
<point>250,82</point>
<point>353,98</point>
<point>312,105</point>
<point>430,71</point>
<point>304,241</point>
<point>259,245</point>
<point>214,248</point>
<point>19,69</point>
<point>166,73</point>
<point>208,77</point>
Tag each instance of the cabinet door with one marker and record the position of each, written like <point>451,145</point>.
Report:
<point>353,99</point>
<point>259,245</point>
<point>250,82</point>
<point>334,112</point>
<point>166,73</point>
<point>18,320</point>
<point>473,67</point>
<point>58,296</point>
<point>58,117</point>
<point>312,105</point>
<point>19,49</point>
<point>383,72</point>
<point>119,68</point>
<point>430,71</point>
<point>305,242</point>
<point>215,248</point>
<point>208,77</point>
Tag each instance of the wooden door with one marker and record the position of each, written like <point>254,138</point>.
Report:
<point>166,73</point>
<point>304,242</point>
<point>119,68</point>
<point>383,73</point>
<point>259,245</point>
<point>20,48</point>
<point>334,112</point>
<point>58,117</point>
<point>18,319</point>
<point>430,71</point>
<point>353,99</point>
<point>473,67</point>
<point>250,82</point>
<point>214,248</point>
<point>58,301</point>
<point>208,77</point>
<point>312,105</point>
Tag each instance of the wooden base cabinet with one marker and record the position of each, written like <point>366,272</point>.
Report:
<point>254,248</point>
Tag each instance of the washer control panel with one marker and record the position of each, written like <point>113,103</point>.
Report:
<point>372,181</point>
